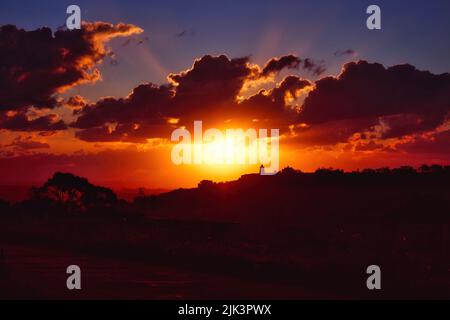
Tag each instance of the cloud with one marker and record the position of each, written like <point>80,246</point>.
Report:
<point>328,133</point>
<point>212,80</point>
<point>399,100</point>
<point>368,146</point>
<point>27,143</point>
<point>275,107</point>
<point>275,65</point>
<point>75,102</point>
<point>126,132</point>
<point>145,102</point>
<point>437,143</point>
<point>137,40</point>
<point>20,121</point>
<point>367,99</point>
<point>185,33</point>
<point>347,52</point>
<point>135,118</point>
<point>207,91</point>
<point>38,64</point>
<point>316,68</point>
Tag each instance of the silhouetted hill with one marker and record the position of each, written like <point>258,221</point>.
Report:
<point>303,198</point>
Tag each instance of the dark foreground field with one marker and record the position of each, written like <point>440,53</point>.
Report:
<point>291,236</point>
<point>37,272</point>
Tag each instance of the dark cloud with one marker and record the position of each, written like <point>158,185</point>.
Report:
<point>275,65</point>
<point>368,99</point>
<point>20,121</point>
<point>146,102</point>
<point>212,80</point>
<point>126,132</point>
<point>46,133</point>
<point>368,146</point>
<point>347,52</point>
<point>135,118</point>
<point>327,134</point>
<point>401,99</point>
<point>76,102</point>
<point>272,105</point>
<point>35,65</point>
<point>435,144</point>
<point>316,68</point>
<point>136,40</point>
<point>27,143</point>
<point>208,91</point>
<point>185,33</point>
<point>291,61</point>
<point>398,125</point>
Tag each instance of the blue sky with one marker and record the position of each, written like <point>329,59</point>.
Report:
<point>415,32</point>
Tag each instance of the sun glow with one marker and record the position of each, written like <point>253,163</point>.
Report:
<point>228,150</point>
<point>235,146</point>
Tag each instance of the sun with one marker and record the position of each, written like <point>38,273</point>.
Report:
<point>228,147</point>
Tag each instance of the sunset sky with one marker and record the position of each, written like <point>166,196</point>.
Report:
<point>102,101</point>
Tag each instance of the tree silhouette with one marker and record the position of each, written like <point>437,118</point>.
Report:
<point>74,192</point>
<point>206,184</point>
